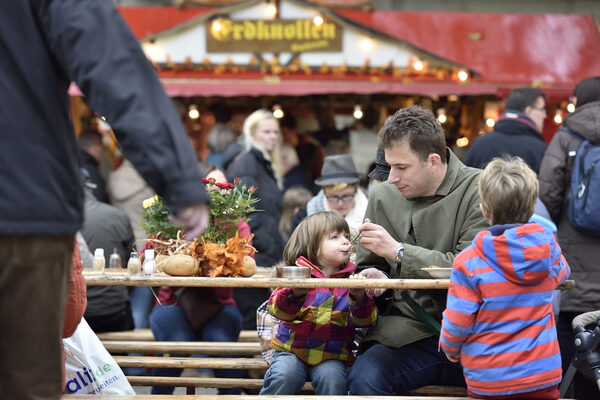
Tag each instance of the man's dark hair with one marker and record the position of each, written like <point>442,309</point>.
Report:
<point>205,168</point>
<point>221,112</point>
<point>419,127</point>
<point>523,97</point>
<point>587,91</point>
<point>370,117</point>
<point>288,121</point>
<point>89,138</point>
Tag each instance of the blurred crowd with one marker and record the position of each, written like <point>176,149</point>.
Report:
<point>298,174</point>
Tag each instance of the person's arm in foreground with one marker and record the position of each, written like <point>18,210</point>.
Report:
<point>95,47</point>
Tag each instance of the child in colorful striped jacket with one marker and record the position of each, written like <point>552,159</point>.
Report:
<point>499,321</point>
<point>316,334</point>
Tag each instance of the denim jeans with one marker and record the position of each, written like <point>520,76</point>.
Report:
<point>141,300</point>
<point>168,323</point>
<point>385,371</point>
<point>287,375</point>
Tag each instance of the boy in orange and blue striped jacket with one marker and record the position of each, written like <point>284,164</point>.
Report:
<point>499,321</point>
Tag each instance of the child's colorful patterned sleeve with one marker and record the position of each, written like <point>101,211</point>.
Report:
<point>284,305</point>
<point>461,309</point>
<point>363,313</point>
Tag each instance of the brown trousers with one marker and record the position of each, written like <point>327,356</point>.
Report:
<point>34,286</point>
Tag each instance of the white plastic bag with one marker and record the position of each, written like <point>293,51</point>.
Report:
<point>90,369</point>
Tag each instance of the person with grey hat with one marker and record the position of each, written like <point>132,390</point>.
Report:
<point>340,191</point>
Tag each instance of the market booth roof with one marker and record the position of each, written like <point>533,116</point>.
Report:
<point>499,51</point>
<point>504,48</point>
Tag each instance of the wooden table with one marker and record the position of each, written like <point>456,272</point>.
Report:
<point>122,278</point>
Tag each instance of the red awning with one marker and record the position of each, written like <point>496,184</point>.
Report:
<point>517,49</point>
<point>506,50</point>
<point>148,21</point>
<point>254,88</point>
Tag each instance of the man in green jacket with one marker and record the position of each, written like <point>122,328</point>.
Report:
<point>425,214</point>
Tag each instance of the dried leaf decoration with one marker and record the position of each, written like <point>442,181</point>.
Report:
<point>228,260</point>
<point>220,251</point>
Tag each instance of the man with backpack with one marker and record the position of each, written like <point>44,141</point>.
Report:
<point>561,166</point>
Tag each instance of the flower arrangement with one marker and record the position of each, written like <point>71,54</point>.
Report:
<point>155,219</point>
<point>228,205</point>
<point>220,251</point>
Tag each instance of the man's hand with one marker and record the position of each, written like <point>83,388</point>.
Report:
<point>193,220</point>
<point>452,358</point>
<point>373,273</point>
<point>377,240</point>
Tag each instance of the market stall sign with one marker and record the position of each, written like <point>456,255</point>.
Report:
<point>278,36</point>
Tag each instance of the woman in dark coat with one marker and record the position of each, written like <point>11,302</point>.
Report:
<point>581,251</point>
<point>258,165</point>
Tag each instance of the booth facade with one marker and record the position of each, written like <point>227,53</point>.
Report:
<point>460,65</point>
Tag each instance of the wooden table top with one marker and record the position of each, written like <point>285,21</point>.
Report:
<point>122,278</point>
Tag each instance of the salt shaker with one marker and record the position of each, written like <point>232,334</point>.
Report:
<point>99,261</point>
<point>149,264</point>
<point>133,265</point>
<point>115,260</point>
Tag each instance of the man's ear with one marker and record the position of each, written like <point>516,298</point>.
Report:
<point>434,160</point>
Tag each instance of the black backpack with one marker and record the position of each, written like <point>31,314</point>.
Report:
<point>583,199</point>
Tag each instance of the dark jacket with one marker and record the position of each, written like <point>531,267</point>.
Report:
<point>90,164</point>
<point>255,170</point>
<point>106,227</point>
<point>44,45</point>
<point>516,135</point>
<point>229,157</point>
<point>581,251</point>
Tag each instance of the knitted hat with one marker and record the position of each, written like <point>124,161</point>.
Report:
<point>382,168</point>
<point>338,169</point>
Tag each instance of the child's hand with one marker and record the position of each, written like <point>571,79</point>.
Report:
<point>300,292</point>
<point>373,273</point>
<point>453,358</point>
<point>358,294</point>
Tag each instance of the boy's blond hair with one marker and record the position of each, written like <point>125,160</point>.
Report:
<point>509,190</point>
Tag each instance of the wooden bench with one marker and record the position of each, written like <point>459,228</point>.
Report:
<point>147,335</point>
<point>204,348</point>
<point>234,397</point>
<point>248,360</point>
<point>244,362</point>
<point>224,363</point>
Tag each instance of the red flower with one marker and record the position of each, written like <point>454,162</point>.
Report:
<point>206,181</point>
<point>225,185</point>
<point>252,189</point>
<point>237,181</point>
